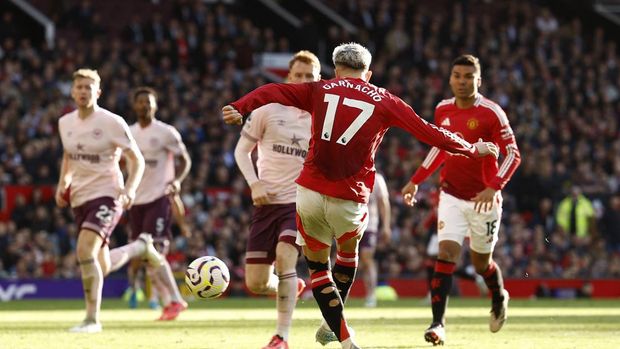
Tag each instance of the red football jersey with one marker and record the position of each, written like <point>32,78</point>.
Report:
<point>464,177</point>
<point>349,119</point>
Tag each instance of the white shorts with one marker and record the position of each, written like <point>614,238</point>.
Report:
<point>457,219</point>
<point>321,218</point>
<point>432,249</point>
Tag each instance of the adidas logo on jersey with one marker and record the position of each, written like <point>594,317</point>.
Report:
<point>445,122</point>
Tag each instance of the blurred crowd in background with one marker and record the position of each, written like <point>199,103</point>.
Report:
<point>557,80</point>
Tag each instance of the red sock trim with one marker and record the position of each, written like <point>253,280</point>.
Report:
<point>490,270</point>
<point>347,259</point>
<point>344,330</point>
<point>347,254</point>
<point>320,278</point>
<point>444,267</point>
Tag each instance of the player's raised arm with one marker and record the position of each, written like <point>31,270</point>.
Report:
<point>295,95</point>
<point>407,119</point>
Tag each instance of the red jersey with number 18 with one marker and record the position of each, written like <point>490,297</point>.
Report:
<point>462,177</point>
<point>349,119</point>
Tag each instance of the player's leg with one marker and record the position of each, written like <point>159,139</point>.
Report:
<point>467,271</point>
<point>346,265</point>
<point>432,248</point>
<point>88,245</point>
<point>368,266</point>
<point>484,236</point>
<point>452,228</point>
<point>348,220</point>
<point>286,254</point>
<point>169,293</point>
<point>96,219</point>
<point>260,279</point>
<point>288,288</point>
<point>318,223</point>
<point>260,251</point>
<point>121,255</point>
<point>156,221</point>
<point>326,294</point>
<point>132,294</point>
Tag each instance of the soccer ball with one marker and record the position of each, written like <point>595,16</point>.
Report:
<point>207,277</point>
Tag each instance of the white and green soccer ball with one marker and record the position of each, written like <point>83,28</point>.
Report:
<point>207,277</point>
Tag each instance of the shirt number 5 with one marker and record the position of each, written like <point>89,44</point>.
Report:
<point>332,104</point>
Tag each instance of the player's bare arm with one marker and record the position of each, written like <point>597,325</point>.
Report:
<point>186,164</point>
<point>408,192</point>
<point>135,167</point>
<point>231,116</point>
<point>63,182</point>
<point>243,157</point>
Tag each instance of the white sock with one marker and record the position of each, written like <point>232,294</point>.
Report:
<point>154,297</point>
<point>285,303</point>
<point>159,285</point>
<point>370,281</point>
<point>121,255</point>
<point>92,282</point>
<point>167,278</point>
<point>347,343</point>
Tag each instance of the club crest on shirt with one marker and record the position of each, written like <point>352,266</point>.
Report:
<point>440,225</point>
<point>97,133</point>
<point>472,123</point>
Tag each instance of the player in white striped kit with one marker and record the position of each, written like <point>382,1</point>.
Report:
<point>160,143</point>
<point>91,181</point>
<point>281,134</point>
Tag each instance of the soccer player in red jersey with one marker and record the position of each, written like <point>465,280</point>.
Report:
<point>349,118</point>
<point>470,203</point>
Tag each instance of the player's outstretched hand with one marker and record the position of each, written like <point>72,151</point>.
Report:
<point>408,192</point>
<point>260,196</point>
<point>231,116</point>
<point>486,148</point>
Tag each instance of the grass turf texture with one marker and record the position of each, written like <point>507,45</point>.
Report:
<point>249,323</point>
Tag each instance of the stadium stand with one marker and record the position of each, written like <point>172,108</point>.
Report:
<point>558,81</point>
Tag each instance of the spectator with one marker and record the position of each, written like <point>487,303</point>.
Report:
<point>610,228</point>
<point>575,214</point>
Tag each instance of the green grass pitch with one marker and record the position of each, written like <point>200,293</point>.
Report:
<point>249,323</point>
